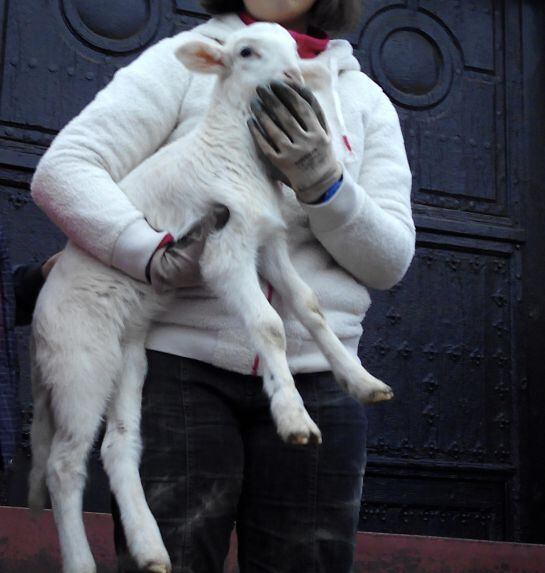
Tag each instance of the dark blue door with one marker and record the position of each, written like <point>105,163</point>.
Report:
<point>458,452</point>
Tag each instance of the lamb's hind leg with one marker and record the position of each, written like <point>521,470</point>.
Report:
<point>121,449</point>
<point>234,278</point>
<point>349,373</point>
<point>78,400</point>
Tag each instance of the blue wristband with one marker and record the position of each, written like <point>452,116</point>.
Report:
<point>330,192</point>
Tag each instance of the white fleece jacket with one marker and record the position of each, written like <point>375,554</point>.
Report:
<point>363,237</point>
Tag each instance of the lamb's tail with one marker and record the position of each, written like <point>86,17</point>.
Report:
<point>41,436</point>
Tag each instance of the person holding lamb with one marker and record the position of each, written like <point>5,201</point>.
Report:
<point>212,457</point>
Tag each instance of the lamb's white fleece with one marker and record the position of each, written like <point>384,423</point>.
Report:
<point>363,237</point>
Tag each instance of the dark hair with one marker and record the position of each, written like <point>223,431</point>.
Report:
<point>327,15</point>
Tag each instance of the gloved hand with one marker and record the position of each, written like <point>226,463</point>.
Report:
<point>177,264</point>
<point>289,128</point>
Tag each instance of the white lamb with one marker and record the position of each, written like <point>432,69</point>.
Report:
<point>91,321</point>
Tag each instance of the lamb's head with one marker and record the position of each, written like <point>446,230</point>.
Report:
<point>252,56</point>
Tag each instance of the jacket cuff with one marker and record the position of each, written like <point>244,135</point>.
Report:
<point>134,248</point>
<point>339,210</point>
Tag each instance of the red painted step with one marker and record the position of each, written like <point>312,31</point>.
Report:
<point>31,546</point>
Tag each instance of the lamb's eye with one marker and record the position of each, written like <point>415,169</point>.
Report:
<point>246,52</point>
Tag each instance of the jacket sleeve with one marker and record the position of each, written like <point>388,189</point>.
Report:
<point>76,181</point>
<point>367,226</point>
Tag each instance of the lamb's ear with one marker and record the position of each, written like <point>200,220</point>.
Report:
<point>202,56</point>
<point>315,74</point>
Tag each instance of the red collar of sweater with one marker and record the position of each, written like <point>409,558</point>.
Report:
<point>308,45</point>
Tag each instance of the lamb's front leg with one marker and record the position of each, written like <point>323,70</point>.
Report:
<point>293,422</point>
<point>235,279</point>
<point>349,373</point>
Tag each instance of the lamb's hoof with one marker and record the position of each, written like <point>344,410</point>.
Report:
<point>293,423</point>
<point>380,395</point>
<point>366,389</point>
<point>157,568</point>
<point>301,431</point>
<point>304,439</point>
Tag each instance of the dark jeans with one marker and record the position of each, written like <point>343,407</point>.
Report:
<point>212,458</point>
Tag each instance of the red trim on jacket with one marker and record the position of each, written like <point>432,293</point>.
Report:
<point>308,45</point>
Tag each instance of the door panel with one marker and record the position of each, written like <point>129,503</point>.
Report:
<point>444,455</point>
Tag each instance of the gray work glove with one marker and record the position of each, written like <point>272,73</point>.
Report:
<point>289,128</point>
<point>177,264</point>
